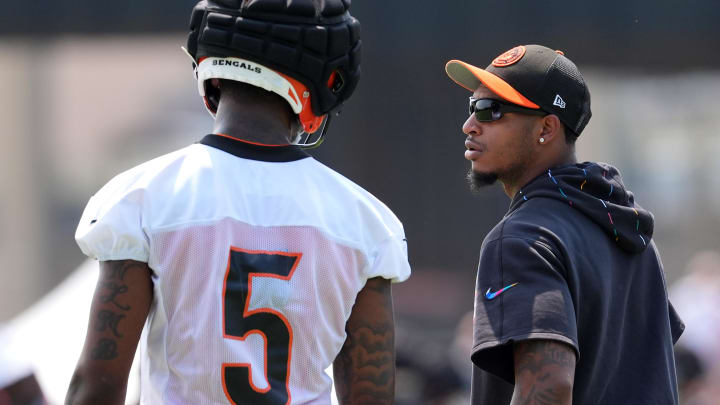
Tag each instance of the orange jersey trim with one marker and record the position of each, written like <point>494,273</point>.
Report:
<point>251,142</point>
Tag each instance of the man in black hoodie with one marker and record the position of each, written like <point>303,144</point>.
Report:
<point>571,304</point>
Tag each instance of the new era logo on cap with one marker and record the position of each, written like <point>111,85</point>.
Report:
<point>559,101</point>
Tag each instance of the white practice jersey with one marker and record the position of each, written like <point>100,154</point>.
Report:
<point>258,253</point>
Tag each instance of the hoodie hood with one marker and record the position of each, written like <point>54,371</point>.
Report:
<point>597,191</point>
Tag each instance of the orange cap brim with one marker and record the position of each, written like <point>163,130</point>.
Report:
<point>471,77</point>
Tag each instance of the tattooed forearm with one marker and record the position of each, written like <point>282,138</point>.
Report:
<point>113,332</point>
<point>108,320</point>
<point>113,286</point>
<point>106,349</point>
<point>114,290</point>
<point>365,362</point>
<point>544,373</point>
<point>365,367</point>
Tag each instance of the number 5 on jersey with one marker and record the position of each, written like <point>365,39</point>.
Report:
<point>239,322</point>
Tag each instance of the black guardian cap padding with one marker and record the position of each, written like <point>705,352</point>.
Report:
<point>307,40</point>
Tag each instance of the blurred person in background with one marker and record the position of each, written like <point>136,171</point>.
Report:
<point>571,305</point>
<point>256,266</point>
<point>691,377</point>
<point>18,385</point>
<point>441,375</point>
<point>38,365</point>
<point>696,296</point>
<point>25,391</point>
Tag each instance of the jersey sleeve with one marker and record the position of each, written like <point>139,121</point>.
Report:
<point>111,226</point>
<point>390,259</point>
<point>521,294</point>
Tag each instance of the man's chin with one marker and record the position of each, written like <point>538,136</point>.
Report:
<point>478,180</point>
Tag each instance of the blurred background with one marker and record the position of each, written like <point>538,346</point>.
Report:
<point>93,88</point>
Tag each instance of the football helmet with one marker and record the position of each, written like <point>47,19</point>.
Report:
<point>306,51</point>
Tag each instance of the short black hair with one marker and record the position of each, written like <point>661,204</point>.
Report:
<point>570,135</point>
<point>238,87</point>
<point>235,88</point>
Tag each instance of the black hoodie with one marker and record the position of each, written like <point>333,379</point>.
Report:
<point>573,261</point>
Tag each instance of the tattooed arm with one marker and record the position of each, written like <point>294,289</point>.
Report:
<point>117,316</point>
<point>364,370</point>
<point>544,373</point>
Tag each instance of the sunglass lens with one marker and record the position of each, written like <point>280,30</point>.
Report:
<point>484,110</point>
<point>484,114</point>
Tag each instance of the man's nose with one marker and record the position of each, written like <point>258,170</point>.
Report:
<point>471,126</point>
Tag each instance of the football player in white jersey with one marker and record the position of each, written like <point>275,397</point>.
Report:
<point>242,266</point>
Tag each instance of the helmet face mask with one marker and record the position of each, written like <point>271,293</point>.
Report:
<point>308,53</point>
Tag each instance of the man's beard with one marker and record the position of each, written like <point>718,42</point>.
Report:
<point>478,180</point>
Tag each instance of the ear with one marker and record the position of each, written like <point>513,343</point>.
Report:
<point>551,128</point>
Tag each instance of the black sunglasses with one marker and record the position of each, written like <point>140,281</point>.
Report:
<point>488,109</point>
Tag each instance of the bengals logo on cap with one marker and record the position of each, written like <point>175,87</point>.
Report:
<point>509,57</point>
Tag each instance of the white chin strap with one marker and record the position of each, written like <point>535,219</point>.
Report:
<point>248,72</point>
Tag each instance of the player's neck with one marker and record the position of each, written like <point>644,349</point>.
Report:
<point>252,123</point>
<point>538,167</point>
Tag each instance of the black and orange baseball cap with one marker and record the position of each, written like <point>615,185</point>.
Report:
<point>532,76</point>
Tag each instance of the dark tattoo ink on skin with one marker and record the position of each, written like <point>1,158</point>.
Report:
<point>109,320</point>
<point>118,271</point>
<point>106,349</point>
<point>364,369</point>
<point>115,289</point>
<point>544,371</point>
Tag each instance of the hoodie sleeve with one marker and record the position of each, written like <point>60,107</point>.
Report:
<point>521,294</point>
<point>677,326</point>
